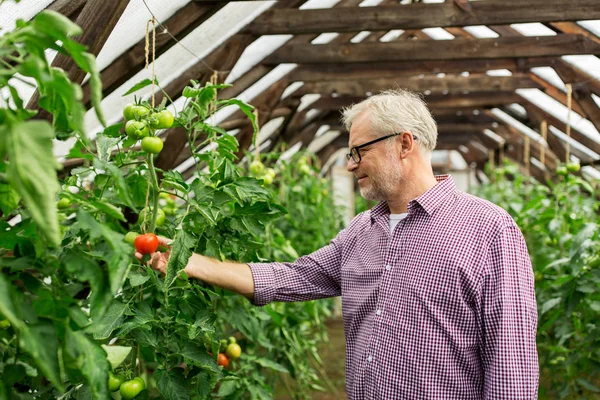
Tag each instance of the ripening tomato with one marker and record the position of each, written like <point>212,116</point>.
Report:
<point>162,120</point>
<point>234,351</point>
<point>114,382</point>
<point>152,144</point>
<point>132,388</point>
<point>146,244</point>
<point>223,360</point>
<point>136,129</point>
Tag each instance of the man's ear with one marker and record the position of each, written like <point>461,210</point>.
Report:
<point>407,144</point>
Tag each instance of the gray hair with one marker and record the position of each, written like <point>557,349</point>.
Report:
<point>397,111</point>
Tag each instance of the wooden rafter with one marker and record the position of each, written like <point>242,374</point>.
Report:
<point>448,84</point>
<point>421,15</point>
<point>394,69</point>
<point>133,59</point>
<point>424,50</point>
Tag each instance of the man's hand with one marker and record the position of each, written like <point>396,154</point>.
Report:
<point>159,259</point>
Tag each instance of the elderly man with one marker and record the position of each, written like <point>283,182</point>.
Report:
<point>436,284</point>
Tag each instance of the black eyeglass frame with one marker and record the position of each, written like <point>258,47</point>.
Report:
<point>357,148</point>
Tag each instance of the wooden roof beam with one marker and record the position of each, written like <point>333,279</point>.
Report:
<point>433,101</point>
<point>133,59</point>
<point>449,84</point>
<point>421,15</point>
<point>426,50</point>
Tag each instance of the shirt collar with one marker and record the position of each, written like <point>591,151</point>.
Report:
<point>428,201</point>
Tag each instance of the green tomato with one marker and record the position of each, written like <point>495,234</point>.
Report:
<point>131,112</point>
<point>4,324</point>
<point>136,129</point>
<point>171,202</point>
<point>304,169</point>
<point>162,120</point>
<point>163,195</point>
<point>267,179</point>
<point>152,144</point>
<point>573,167</point>
<point>234,351</point>
<point>63,203</point>
<point>114,382</point>
<point>232,339</point>
<point>170,210</point>
<point>256,168</point>
<point>141,380</point>
<point>160,216</point>
<point>561,170</point>
<point>132,388</point>
<point>271,172</point>
<point>130,237</point>
<point>303,160</point>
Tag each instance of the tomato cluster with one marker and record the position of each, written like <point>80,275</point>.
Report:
<point>142,121</point>
<point>259,171</point>
<point>128,389</point>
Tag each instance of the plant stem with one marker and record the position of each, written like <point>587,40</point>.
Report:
<point>155,189</point>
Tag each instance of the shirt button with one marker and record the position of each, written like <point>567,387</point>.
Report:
<point>388,267</point>
<point>378,312</point>
<point>370,358</point>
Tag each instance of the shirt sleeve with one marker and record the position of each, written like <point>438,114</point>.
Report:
<point>508,320</point>
<point>310,277</point>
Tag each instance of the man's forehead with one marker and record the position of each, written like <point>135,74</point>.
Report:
<point>360,129</point>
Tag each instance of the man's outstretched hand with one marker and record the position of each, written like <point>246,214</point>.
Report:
<point>159,259</point>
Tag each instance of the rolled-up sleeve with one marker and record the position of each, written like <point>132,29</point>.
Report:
<point>508,320</point>
<point>310,277</point>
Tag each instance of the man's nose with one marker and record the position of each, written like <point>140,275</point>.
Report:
<point>351,165</point>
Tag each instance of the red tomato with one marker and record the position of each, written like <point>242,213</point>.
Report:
<point>146,244</point>
<point>223,360</point>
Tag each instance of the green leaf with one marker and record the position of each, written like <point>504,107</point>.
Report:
<point>140,85</point>
<point>118,259</point>
<point>114,130</point>
<point>181,251</point>
<point>116,354</point>
<point>113,318</point>
<point>549,304</point>
<point>36,182</point>
<point>104,146</point>
<point>227,388</point>
<point>9,199</point>
<point>91,361</point>
<point>264,362</point>
<point>588,385</point>
<point>137,279</point>
<point>199,356</point>
<point>39,340</point>
<point>120,182</point>
<point>172,384</point>
<point>55,24</point>
<point>246,109</point>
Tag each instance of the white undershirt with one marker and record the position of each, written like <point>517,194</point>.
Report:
<point>394,219</point>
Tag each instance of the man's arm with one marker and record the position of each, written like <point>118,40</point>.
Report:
<point>235,277</point>
<point>310,277</point>
<point>508,319</point>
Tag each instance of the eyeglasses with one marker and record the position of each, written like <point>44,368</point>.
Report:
<point>355,151</point>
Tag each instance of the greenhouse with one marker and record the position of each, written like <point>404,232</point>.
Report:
<point>300,199</point>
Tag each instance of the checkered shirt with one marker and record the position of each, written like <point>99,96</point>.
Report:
<point>442,308</point>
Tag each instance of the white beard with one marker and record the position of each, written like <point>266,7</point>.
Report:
<point>388,176</point>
